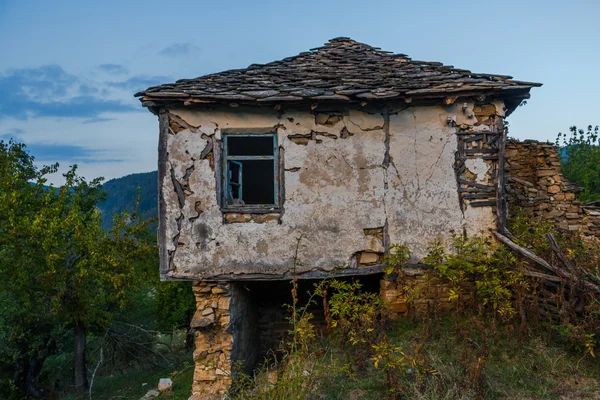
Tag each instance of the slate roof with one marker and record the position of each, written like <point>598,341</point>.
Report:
<point>342,70</point>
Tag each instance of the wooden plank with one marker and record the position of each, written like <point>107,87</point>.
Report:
<point>543,263</point>
<point>473,138</point>
<point>281,182</point>
<point>250,210</point>
<point>476,133</point>
<point>478,196</point>
<point>163,137</point>
<point>473,190</point>
<point>485,188</point>
<point>491,203</point>
<point>218,164</point>
<point>501,208</point>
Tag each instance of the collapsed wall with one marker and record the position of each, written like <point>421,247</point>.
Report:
<point>536,184</point>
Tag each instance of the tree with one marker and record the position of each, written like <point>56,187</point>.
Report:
<point>27,332</point>
<point>62,271</point>
<point>580,160</point>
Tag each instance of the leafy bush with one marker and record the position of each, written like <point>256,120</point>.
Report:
<point>475,261</point>
<point>580,160</point>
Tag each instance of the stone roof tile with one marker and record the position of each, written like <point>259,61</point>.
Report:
<point>342,70</point>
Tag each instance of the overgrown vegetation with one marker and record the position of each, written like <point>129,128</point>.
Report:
<point>499,342</point>
<point>580,160</point>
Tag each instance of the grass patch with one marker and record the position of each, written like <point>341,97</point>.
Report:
<point>534,368</point>
<point>129,385</point>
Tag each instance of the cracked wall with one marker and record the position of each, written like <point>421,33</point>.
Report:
<point>354,181</point>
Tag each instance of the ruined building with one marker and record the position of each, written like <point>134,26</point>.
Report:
<point>312,166</point>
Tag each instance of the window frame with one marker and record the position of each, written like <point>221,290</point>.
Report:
<point>225,187</point>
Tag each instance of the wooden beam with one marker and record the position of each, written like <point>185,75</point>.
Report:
<point>485,188</point>
<point>501,208</point>
<point>450,100</point>
<point>163,137</point>
<point>544,264</point>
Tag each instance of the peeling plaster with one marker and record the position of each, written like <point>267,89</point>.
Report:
<point>356,171</point>
<point>478,167</point>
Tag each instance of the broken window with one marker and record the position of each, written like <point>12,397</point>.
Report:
<point>251,171</point>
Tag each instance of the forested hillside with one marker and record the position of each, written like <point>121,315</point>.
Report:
<point>121,195</point>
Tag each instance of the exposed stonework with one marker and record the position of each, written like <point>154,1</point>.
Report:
<point>416,290</point>
<point>212,373</point>
<point>534,182</point>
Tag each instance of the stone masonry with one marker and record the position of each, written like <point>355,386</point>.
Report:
<point>534,182</point>
<point>415,291</point>
<point>212,374</point>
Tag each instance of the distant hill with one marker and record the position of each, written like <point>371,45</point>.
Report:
<point>122,194</point>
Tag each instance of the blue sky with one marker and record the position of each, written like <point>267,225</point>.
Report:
<point>68,69</point>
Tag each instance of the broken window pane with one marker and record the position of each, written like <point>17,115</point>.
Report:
<point>251,174</point>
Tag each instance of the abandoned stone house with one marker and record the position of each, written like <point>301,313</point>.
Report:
<point>312,167</point>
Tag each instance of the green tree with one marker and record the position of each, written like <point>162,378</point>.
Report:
<point>28,333</point>
<point>62,271</point>
<point>580,160</point>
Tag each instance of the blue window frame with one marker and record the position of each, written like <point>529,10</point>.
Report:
<point>250,171</point>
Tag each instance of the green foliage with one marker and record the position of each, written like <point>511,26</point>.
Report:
<point>397,258</point>
<point>60,268</point>
<point>578,322</point>
<point>580,161</point>
<point>355,315</point>
<point>475,261</point>
<point>174,304</point>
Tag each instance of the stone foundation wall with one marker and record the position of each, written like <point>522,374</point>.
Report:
<point>415,290</point>
<point>213,340</point>
<point>534,182</point>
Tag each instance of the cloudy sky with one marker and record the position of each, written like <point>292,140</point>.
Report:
<point>69,69</point>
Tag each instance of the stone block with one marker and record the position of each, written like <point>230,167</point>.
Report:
<point>218,290</point>
<point>546,172</point>
<point>165,384</point>
<point>368,258</point>
<point>237,218</point>
<point>553,189</point>
<point>199,355</point>
<point>204,374</point>
<point>204,288</point>
<point>262,218</point>
<point>387,285</point>
<point>200,321</point>
<point>398,306</point>
<point>223,303</point>
<point>389,296</point>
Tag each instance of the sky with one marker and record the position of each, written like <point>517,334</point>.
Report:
<point>69,69</point>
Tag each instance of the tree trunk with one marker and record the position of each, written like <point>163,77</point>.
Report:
<point>81,381</point>
<point>33,371</point>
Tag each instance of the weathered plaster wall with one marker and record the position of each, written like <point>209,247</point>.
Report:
<point>355,181</point>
